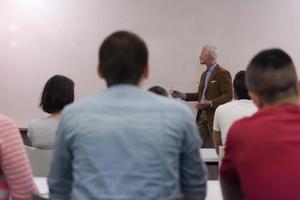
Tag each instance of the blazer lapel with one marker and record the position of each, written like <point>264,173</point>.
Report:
<point>213,76</point>
<point>201,85</point>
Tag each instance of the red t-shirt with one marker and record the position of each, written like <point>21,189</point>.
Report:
<point>263,154</point>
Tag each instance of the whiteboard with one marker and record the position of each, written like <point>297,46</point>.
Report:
<point>40,38</point>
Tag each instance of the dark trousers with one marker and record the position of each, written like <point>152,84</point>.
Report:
<point>205,130</point>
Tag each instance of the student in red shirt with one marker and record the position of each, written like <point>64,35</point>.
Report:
<point>262,153</point>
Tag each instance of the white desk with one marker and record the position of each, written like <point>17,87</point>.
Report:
<point>213,191</point>
<point>41,183</point>
<point>209,155</point>
<point>213,188</point>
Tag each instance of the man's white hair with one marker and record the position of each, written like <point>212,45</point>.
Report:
<point>212,51</point>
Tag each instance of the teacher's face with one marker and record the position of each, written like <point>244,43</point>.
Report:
<point>204,56</point>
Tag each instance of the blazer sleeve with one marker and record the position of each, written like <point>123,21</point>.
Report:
<point>192,96</point>
<point>225,88</point>
<point>196,96</point>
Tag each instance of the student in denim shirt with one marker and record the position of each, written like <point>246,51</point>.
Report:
<point>125,143</point>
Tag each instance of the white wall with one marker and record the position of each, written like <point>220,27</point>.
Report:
<point>40,38</point>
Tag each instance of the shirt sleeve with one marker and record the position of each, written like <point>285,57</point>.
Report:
<point>30,133</point>
<point>193,172</point>
<point>216,126</point>
<point>60,174</point>
<point>228,170</point>
<point>14,163</point>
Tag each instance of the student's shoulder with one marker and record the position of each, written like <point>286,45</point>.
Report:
<point>42,121</point>
<point>5,119</point>
<point>244,124</point>
<point>226,106</point>
<point>241,130</point>
<point>6,123</point>
<point>34,122</point>
<point>80,104</point>
<point>170,105</point>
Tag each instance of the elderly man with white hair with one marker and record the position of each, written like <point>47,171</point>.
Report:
<point>215,88</point>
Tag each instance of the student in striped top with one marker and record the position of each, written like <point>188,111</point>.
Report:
<point>58,92</point>
<point>16,182</point>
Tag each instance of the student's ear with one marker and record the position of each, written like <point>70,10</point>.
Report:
<point>100,73</point>
<point>146,72</point>
<point>257,100</point>
<point>144,76</point>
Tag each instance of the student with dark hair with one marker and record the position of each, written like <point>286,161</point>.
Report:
<point>262,151</point>
<point>158,90</point>
<point>114,145</point>
<point>228,113</point>
<point>58,92</point>
<point>239,86</point>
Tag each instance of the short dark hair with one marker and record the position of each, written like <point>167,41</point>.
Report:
<point>123,57</point>
<point>158,90</point>
<point>239,85</point>
<point>271,75</point>
<point>58,92</point>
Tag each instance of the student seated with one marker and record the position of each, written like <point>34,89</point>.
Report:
<point>262,151</point>
<point>158,90</point>
<point>58,92</point>
<point>115,145</point>
<point>16,182</point>
<point>229,112</point>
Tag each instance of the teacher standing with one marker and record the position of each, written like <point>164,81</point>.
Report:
<point>215,88</point>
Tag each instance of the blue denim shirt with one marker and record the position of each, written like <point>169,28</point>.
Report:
<point>127,144</point>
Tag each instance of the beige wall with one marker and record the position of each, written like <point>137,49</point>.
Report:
<point>40,38</point>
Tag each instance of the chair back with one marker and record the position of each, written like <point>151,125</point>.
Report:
<point>39,160</point>
<point>37,197</point>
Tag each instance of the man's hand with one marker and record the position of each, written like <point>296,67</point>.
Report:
<point>176,93</point>
<point>202,105</point>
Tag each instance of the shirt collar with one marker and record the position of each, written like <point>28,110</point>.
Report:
<point>212,67</point>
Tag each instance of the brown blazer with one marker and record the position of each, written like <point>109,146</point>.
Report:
<point>219,91</point>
